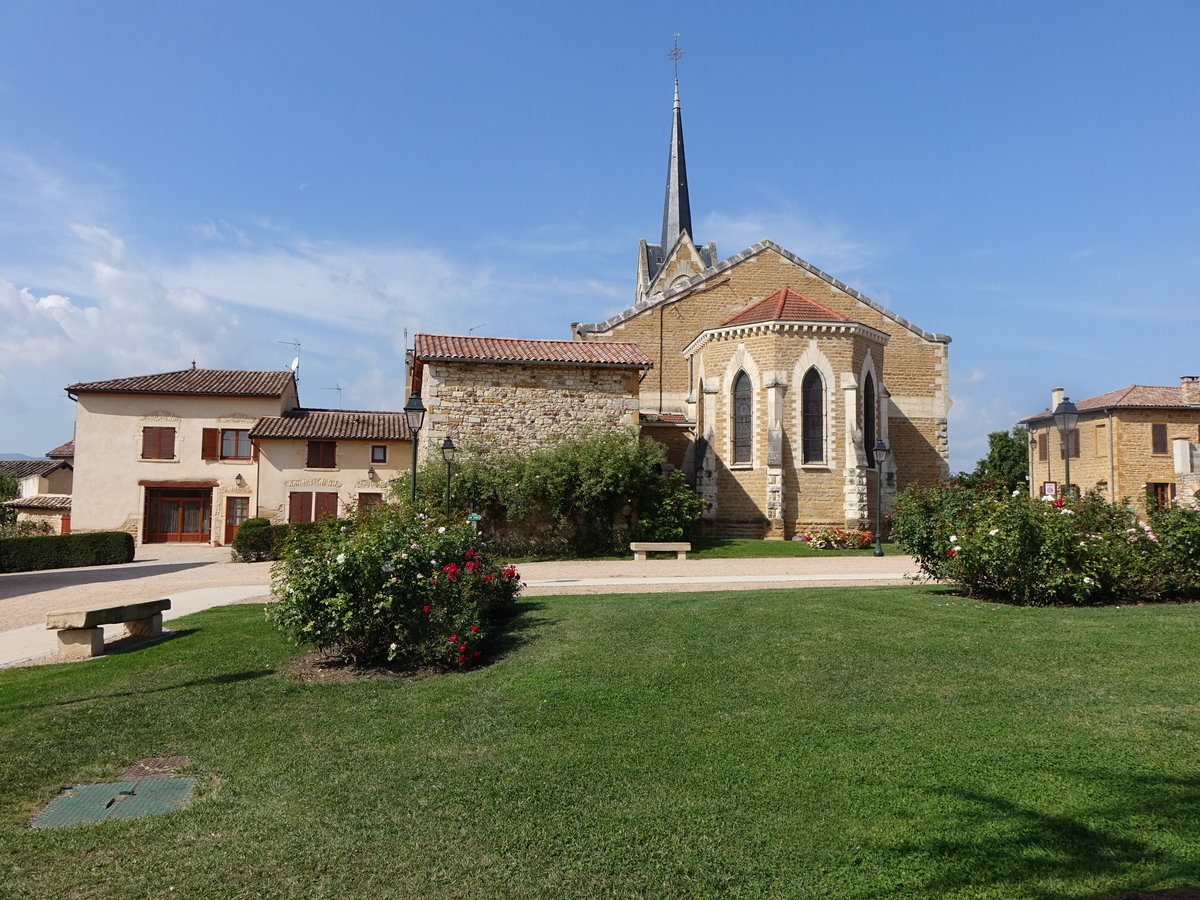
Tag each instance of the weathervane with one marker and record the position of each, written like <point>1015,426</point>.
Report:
<point>674,53</point>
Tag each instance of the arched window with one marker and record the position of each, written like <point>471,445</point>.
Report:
<point>812,417</point>
<point>742,418</point>
<point>869,419</point>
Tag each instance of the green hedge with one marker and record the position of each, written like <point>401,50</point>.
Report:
<point>65,551</point>
<point>257,540</point>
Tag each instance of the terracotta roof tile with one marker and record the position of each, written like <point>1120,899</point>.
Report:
<point>41,501</point>
<point>23,468</point>
<point>1135,396</point>
<point>211,382</point>
<point>63,451</point>
<point>517,350</point>
<point>333,424</point>
<point>665,418</point>
<point>787,305</point>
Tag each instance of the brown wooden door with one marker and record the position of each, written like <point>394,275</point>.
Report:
<point>237,511</point>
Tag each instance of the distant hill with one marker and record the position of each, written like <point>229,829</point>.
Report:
<point>17,456</point>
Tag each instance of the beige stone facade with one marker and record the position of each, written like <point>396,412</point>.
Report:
<point>1124,446</point>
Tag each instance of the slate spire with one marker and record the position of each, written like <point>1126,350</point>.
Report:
<point>677,211</point>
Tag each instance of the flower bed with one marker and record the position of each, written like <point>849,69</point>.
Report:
<point>829,538</point>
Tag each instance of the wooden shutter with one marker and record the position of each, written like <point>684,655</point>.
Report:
<point>210,444</point>
<point>158,443</point>
<point>166,443</point>
<point>314,454</point>
<point>326,505</point>
<point>1158,438</point>
<point>300,506</point>
<point>1043,453</point>
<point>149,443</point>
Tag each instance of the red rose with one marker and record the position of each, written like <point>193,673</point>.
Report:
<point>461,658</point>
<point>475,655</point>
<point>474,627</point>
<point>453,638</point>
<point>462,647</point>
<point>427,609</point>
<point>952,553</point>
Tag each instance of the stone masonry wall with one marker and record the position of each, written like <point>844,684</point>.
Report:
<point>522,406</point>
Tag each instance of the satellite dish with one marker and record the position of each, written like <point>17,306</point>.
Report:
<point>295,364</point>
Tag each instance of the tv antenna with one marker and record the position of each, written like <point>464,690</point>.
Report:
<point>295,365</point>
<point>338,388</point>
<point>472,330</point>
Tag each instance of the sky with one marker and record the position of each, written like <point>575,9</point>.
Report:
<point>218,181</point>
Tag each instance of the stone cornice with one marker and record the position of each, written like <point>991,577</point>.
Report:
<point>844,329</point>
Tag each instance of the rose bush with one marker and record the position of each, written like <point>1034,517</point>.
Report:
<point>827,538</point>
<point>392,586</point>
<point>1013,548</point>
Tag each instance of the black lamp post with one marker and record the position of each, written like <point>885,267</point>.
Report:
<point>448,451</point>
<point>1032,463</point>
<point>414,416</point>
<point>881,451</point>
<point>1065,417</point>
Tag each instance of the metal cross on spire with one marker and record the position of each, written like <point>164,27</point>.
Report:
<point>674,53</point>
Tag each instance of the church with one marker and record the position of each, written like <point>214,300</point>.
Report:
<point>769,381</point>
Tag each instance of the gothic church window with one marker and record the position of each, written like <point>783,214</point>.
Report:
<point>869,419</point>
<point>742,418</point>
<point>812,417</point>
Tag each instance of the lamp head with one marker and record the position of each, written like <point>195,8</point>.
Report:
<point>448,449</point>
<point>1066,415</point>
<point>414,413</point>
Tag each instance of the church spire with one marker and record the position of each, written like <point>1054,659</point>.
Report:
<point>677,211</point>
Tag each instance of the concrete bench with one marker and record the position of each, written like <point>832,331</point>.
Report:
<point>641,548</point>
<point>80,634</point>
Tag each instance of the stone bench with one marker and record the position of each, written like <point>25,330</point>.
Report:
<point>80,634</point>
<point>641,548</point>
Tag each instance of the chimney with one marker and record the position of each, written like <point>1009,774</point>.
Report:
<point>1189,389</point>
<point>1056,397</point>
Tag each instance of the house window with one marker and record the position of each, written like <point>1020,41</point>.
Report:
<point>1163,494</point>
<point>235,444</point>
<point>379,453</point>
<point>869,419</point>
<point>742,418</point>
<point>158,443</point>
<point>1043,447</point>
<point>812,417</point>
<point>369,499</point>
<point>1158,439</point>
<point>312,506</point>
<point>322,454</point>
<point>1072,440</point>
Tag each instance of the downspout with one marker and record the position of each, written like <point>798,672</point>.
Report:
<point>661,311</point>
<point>1112,459</point>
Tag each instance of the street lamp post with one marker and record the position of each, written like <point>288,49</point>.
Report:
<point>1065,417</point>
<point>414,416</point>
<point>881,451</point>
<point>448,450</point>
<point>1032,463</point>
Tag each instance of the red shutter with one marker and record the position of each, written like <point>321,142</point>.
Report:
<point>300,506</point>
<point>166,443</point>
<point>314,454</point>
<point>210,444</point>
<point>327,505</point>
<point>149,443</point>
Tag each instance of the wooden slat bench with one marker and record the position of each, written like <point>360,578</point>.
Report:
<point>641,548</point>
<point>80,634</point>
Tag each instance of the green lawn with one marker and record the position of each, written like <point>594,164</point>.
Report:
<point>745,548</point>
<point>890,742</point>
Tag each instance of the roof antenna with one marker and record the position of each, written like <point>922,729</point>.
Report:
<point>295,366</point>
<point>338,388</point>
<point>472,330</point>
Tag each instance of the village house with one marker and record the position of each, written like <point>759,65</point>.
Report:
<point>188,456</point>
<point>45,489</point>
<point>1132,444</point>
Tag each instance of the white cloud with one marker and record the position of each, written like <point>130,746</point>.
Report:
<point>973,416</point>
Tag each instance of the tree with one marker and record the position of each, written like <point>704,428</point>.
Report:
<point>10,489</point>
<point>1007,462</point>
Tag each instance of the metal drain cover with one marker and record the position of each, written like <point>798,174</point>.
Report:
<point>115,800</point>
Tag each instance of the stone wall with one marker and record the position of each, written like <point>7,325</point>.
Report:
<point>511,406</point>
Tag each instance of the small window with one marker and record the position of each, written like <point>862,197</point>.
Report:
<point>322,454</point>
<point>309,506</point>
<point>235,443</point>
<point>1158,439</point>
<point>369,499</point>
<point>158,443</point>
<point>379,453</point>
<point>812,417</point>
<point>742,418</point>
<point>1161,493</point>
<point>869,419</point>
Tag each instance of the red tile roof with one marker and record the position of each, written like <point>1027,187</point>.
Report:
<point>1135,396</point>
<point>40,501</point>
<point>210,382</point>
<point>333,424</point>
<point>665,419</point>
<point>516,350</point>
<point>787,305</point>
<point>23,468</point>
<point>63,451</point>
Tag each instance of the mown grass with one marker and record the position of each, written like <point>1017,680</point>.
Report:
<point>735,548</point>
<point>846,743</point>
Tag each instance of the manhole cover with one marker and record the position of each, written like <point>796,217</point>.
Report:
<point>115,800</point>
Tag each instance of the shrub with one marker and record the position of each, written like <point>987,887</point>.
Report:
<point>24,528</point>
<point>1013,548</point>
<point>257,540</point>
<point>669,510</point>
<point>64,551</point>
<point>826,538</point>
<point>392,586</point>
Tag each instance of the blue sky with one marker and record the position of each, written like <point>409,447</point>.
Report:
<point>204,181</point>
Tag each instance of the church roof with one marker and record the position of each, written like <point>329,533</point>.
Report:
<point>1135,396</point>
<point>464,348</point>
<point>785,305</point>
<point>210,382</point>
<point>677,210</point>
<point>334,424</point>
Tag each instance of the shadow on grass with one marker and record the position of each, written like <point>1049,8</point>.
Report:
<point>999,843</point>
<point>226,678</point>
<point>521,630</point>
